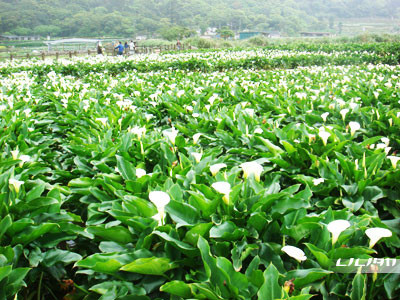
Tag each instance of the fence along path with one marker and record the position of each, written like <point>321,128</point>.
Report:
<point>109,52</point>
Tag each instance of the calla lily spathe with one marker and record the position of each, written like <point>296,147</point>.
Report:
<point>344,112</point>
<point>140,172</point>
<point>171,134</point>
<point>224,188</point>
<point>197,156</point>
<point>324,135</point>
<point>324,116</point>
<point>15,154</point>
<point>15,183</point>
<point>252,168</point>
<point>160,200</point>
<point>354,126</point>
<point>318,181</point>
<point>336,228</point>
<point>139,131</point>
<point>196,138</point>
<point>215,168</point>
<point>24,159</point>
<point>102,121</point>
<point>295,252</point>
<point>376,233</point>
<point>394,160</point>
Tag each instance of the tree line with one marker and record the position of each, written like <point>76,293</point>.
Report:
<point>167,18</point>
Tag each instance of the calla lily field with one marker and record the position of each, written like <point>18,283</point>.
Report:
<point>230,174</point>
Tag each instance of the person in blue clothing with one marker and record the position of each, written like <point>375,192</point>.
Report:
<point>120,48</point>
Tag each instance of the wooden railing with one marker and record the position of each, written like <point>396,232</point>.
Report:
<point>107,51</point>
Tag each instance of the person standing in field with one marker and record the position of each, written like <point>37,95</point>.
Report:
<point>120,49</point>
<point>126,48</point>
<point>132,47</point>
<point>178,45</point>
<point>99,49</point>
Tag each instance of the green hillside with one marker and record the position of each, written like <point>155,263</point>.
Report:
<point>129,17</point>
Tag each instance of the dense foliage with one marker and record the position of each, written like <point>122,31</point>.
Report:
<point>127,17</point>
<point>245,161</point>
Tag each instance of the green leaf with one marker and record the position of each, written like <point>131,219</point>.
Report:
<point>270,289</point>
<point>359,290</point>
<point>33,232</point>
<point>306,276</point>
<point>392,284</point>
<point>216,277</point>
<point>373,193</point>
<point>126,168</point>
<point>5,223</point>
<point>117,234</point>
<point>102,263</point>
<point>183,214</point>
<point>320,255</point>
<point>297,201</point>
<point>104,287</point>
<point>35,192</point>
<point>356,252</point>
<point>82,182</point>
<point>226,231</point>
<point>149,266</point>
<point>353,203</point>
<point>15,279</point>
<point>177,288</point>
<point>55,256</point>
<point>186,248</point>
<point>5,271</point>
<point>193,234</point>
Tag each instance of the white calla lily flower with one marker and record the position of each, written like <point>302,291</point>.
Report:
<point>140,172</point>
<point>324,135</point>
<point>324,116</point>
<point>15,154</point>
<point>258,130</point>
<point>318,181</point>
<point>196,138</point>
<point>15,183</point>
<point>386,141</point>
<point>197,156</point>
<point>252,168</point>
<point>139,131</point>
<point>344,112</point>
<point>224,188</point>
<point>160,200</point>
<point>24,159</point>
<point>376,233</point>
<point>336,228</point>
<point>394,160</point>
<point>354,126</point>
<point>216,167</point>
<point>171,134</point>
<point>250,112</point>
<point>102,121</point>
<point>295,252</point>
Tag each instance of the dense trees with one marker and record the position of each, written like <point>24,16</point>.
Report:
<point>130,17</point>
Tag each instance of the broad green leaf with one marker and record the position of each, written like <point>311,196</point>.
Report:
<point>149,266</point>
<point>320,255</point>
<point>126,168</point>
<point>181,213</point>
<point>5,223</point>
<point>307,276</point>
<point>117,234</point>
<point>359,290</point>
<point>270,289</point>
<point>177,288</point>
<point>226,231</point>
